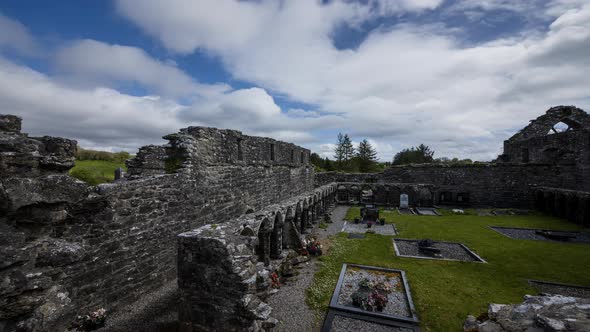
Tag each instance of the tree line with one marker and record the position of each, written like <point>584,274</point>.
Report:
<point>363,158</point>
<point>87,154</point>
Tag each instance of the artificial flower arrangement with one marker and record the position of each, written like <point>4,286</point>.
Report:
<point>313,247</point>
<point>371,295</point>
<point>89,322</point>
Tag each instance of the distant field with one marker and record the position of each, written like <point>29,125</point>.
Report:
<point>95,172</point>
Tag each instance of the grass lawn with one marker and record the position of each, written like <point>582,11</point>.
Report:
<point>444,292</point>
<point>95,171</point>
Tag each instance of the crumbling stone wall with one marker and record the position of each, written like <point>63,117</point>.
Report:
<point>490,184</point>
<point>223,269</point>
<point>70,248</point>
<point>539,142</point>
<point>559,160</point>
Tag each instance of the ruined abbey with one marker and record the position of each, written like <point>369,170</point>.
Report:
<point>212,212</point>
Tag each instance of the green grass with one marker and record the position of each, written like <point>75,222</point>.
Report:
<point>445,292</point>
<point>95,172</point>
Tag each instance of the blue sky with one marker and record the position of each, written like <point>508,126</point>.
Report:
<point>460,76</point>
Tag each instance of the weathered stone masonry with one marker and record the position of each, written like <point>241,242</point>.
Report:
<point>68,248</point>
<point>541,167</point>
<point>223,270</point>
<point>241,205</point>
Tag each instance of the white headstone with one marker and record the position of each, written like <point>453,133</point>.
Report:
<point>403,201</point>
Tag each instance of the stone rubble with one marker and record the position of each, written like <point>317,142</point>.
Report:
<point>544,313</point>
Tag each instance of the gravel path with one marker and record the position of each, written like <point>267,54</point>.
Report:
<point>156,311</point>
<point>530,234</point>
<point>448,250</point>
<point>345,324</point>
<point>566,290</point>
<point>289,303</point>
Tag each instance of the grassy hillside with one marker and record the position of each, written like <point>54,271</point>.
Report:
<point>445,292</point>
<point>95,172</point>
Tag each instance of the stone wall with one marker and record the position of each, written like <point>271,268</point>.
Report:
<point>69,248</point>
<point>488,184</point>
<point>560,136</point>
<point>224,269</point>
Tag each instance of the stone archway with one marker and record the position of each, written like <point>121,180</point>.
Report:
<point>288,227</point>
<point>276,239</point>
<point>263,247</point>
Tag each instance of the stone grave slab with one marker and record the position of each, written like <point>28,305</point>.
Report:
<point>548,287</point>
<point>484,213</point>
<point>404,201</point>
<point>450,251</point>
<point>358,283</point>
<point>542,234</point>
<point>405,211</point>
<point>427,211</point>
<point>387,229</point>
<point>502,212</point>
<point>340,321</point>
<point>356,236</point>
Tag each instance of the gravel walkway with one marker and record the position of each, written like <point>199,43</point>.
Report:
<point>448,250</point>
<point>156,311</point>
<point>345,324</point>
<point>289,303</point>
<point>530,234</point>
<point>562,289</point>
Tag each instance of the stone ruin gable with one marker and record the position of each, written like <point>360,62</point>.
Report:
<point>568,204</point>
<point>539,143</point>
<point>223,269</point>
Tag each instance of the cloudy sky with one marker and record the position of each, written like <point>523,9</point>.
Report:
<point>458,75</point>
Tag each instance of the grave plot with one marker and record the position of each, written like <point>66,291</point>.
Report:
<point>387,229</point>
<point>510,212</point>
<point>405,211</point>
<point>429,249</point>
<point>561,289</point>
<point>427,211</point>
<point>377,294</point>
<point>345,322</point>
<point>542,234</point>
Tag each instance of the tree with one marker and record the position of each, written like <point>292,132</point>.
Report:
<point>416,155</point>
<point>343,152</point>
<point>339,151</point>
<point>366,156</point>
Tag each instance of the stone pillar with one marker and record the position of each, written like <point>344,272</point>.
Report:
<point>276,243</point>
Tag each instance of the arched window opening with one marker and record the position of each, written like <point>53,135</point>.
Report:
<point>560,127</point>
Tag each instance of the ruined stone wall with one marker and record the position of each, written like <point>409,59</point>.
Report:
<point>499,185</point>
<point>238,258</point>
<point>560,136</point>
<point>69,248</point>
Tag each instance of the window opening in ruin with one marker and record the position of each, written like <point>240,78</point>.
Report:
<point>240,153</point>
<point>292,155</point>
<point>525,155</point>
<point>302,157</point>
<point>272,152</point>
<point>559,127</point>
